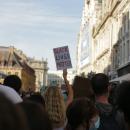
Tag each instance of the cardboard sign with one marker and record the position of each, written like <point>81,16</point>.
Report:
<point>62,58</point>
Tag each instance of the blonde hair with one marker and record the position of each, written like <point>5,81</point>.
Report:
<point>55,105</point>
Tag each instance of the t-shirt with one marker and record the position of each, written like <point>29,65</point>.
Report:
<point>11,94</point>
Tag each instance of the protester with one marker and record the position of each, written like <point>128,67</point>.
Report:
<point>82,88</point>
<point>55,105</point>
<point>11,116</point>
<point>36,116</point>
<point>37,98</point>
<point>11,94</point>
<point>82,115</point>
<point>70,93</point>
<point>110,118</point>
<point>123,100</point>
<point>14,82</point>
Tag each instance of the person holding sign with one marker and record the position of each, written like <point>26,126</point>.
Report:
<point>55,105</point>
<point>69,88</point>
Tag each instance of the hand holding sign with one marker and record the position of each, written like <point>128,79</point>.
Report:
<point>65,73</point>
<point>62,58</point>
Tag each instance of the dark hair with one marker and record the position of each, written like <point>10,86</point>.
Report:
<point>80,111</point>
<point>11,116</point>
<point>82,87</point>
<point>14,82</point>
<point>123,99</point>
<point>36,116</point>
<point>37,98</point>
<point>100,83</point>
<point>113,93</point>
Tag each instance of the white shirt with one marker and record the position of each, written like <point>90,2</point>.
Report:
<point>11,94</point>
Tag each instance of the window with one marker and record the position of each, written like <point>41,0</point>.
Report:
<point>128,51</point>
<point>13,63</point>
<point>116,58</point>
<point>5,63</point>
<point>88,2</point>
<point>128,21</point>
<point>125,24</point>
<point>123,53</point>
<point>9,73</point>
<point>120,55</point>
<point>16,73</point>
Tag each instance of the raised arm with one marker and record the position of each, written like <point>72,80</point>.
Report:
<point>69,88</point>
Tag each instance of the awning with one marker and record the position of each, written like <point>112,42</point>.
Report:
<point>122,78</point>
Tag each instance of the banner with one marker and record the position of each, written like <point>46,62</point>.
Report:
<point>62,58</point>
<point>85,47</point>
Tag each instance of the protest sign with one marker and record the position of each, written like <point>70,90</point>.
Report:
<point>62,58</point>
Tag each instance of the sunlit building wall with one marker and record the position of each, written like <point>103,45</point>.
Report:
<point>110,38</point>
<point>85,40</point>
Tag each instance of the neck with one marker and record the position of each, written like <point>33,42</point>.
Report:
<point>102,99</point>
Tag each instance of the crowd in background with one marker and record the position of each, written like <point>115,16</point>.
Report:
<point>91,104</point>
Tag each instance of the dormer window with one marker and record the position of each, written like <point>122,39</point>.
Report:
<point>5,63</point>
<point>88,2</point>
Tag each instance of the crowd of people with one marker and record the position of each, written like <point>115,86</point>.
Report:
<point>91,104</point>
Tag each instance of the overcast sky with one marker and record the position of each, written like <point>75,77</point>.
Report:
<point>38,26</point>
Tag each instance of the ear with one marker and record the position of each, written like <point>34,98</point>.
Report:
<point>109,88</point>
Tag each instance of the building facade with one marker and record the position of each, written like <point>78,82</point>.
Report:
<point>11,63</point>
<point>56,77</point>
<point>41,70</point>
<point>85,41</point>
<point>40,67</point>
<point>111,39</point>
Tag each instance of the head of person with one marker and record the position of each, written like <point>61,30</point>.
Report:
<point>82,88</point>
<point>37,98</point>
<point>11,116</point>
<point>37,117</point>
<point>123,100</point>
<point>55,105</point>
<point>82,114</point>
<point>14,82</point>
<point>100,84</point>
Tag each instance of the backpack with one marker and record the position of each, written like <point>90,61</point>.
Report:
<point>108,122</point>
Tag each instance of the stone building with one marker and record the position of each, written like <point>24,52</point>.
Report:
<point>112,39</point>
<point>41,72</point>
<point>110,44</point>
<point>40,67</point>
<point>57,77</point>
<point>90,16</point>
<point>12,63</point>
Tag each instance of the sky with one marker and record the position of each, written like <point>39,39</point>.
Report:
<point>38,26</point>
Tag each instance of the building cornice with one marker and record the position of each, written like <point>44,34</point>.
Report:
<point>102,54</point>
<point>105,18</point>
<point>124,65</point>
<point>86,65</point>
<point>10,68</point>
